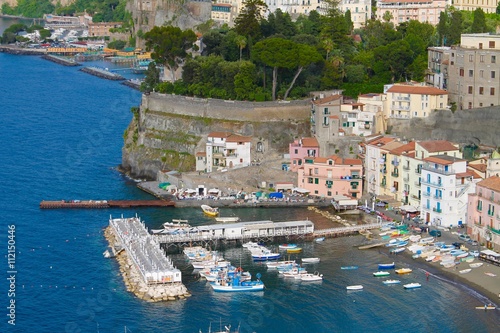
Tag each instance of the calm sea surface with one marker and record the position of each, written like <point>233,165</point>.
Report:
<point>61,138</point>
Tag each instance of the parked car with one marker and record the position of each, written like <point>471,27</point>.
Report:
<point>435,233</point>
<point>464,237</point>
<point>473,242</point>
<point>457,244</point>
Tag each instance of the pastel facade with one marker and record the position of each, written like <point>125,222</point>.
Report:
<point>483,213</point>
<point>227,150</point>
<point>201,161</point>
<point>425,11</point>
<point>413,101</point>
<point>396,176</point>
<point>488,6</point>
<point>375,165</point>
<point>332,176</point>
<point>102,29</point>
<point>325,120</point>
<point>301,149</point>
<point>446,184</point>
<point>474,74</point>
<point>355,120</point>
<point>437,70</point>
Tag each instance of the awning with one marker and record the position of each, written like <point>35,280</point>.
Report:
<point>214,190</point>
<point>409,209</point>
<point>190,191</point>
<point>300,190</point>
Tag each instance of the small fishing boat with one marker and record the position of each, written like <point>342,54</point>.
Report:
<point>398,250</point>
<point>490,274</point>
<point>391,281</point>
<point>464,271</point>
<point>486,307</point>
<point>349,267</point>
<point>311,277</point>
<point>386,266</point>
<point>319,239</point>
<point>476,265</point>
<point>403,270</point>
<point>355,287</point>
<point>265,255</point>
<point>294,250</point>
<point>287,246</point>
<point>430,258</point>
<point>236,285</point>
<point>210,211</point>
<point>381,273</point>
<point>310,260</point>
<point>412,285</point>
<point>227,219</point>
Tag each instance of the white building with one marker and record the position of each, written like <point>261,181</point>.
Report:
<point>227,150</point>
<point>446,184</point>
<point>375,165</point>
<point>356,120</point>
<point>425,11</point>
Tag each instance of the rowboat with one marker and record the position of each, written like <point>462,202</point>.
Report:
<point>386,266</point>
<point>476,265</point>
<point>412,285</point>
<point>294,250</point>
<point>490,274</point>
<point>403,270</point>
<point>349,267</point>
<point>227,219</point>
<point>355,287</point>
<point>311,277</point>
<point>319,239</point>
<point>391,282</point>
<point>486,307</point>
<point>381,273</point>
<point>287,246</point>
<point>210,211</point>
<point>310,260</point>
<point>463,271</point>
<point>430,258</point>
<point>398,250</point>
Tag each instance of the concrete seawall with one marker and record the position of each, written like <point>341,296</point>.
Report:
<point>21,51</point>
<point>61,61</point>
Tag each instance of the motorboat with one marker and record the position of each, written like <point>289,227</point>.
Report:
<point>310,260</point>
<point>486,307</point>
<point>403,270</point>
<point>311,277</point>
<point>287,246</point>
<point>355,287</point>
<point>319,239</point>
<point>277,264</point>
<point>235,284</point>
<point>210,211</point>
<point>386,266</point>
<point>227,219</point>
<point>294,250</point>
<point>426,240</point>
<point>464,271</point>
<point>412,285</point>
<point>264,255</point>
<point>398,250</point>
<point>391,281</point>
<point>381,273</point>
<point>476,265</point>
<point>348,267</point>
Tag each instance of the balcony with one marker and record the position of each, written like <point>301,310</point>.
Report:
<point>402,98</point>
<point>440,169</point>
<point>426,194</point>
<point>479,209</point>
<point>426,182</point>
<point>437,210</point>
<point>395,174</point>
<point>418,171</point>
<point>490,213</point>
<point>395,162</point>
<point>406,179</point>
<point>383,170</point>
<point>414,196</point>
<point>406,167</point>
<point>418,183</point>
<point>493,230</point>
<point>438,197</point>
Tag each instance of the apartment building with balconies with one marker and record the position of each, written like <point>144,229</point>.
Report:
<point>483,212</point>
<point>400,167</point>
<point>406,101</point>
<point>332,176</point>
<point>425,11</point>
<point>227,150</point>
<point>474,73</point>
<point>355,120</point>
<point>300,149</point>
<point>445,187</point>
<point>325,119</point>
<point>375,164</point>
<point>488,6</point>
<point>437,70</point>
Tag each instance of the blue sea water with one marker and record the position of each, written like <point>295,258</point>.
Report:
<point>61,138</point>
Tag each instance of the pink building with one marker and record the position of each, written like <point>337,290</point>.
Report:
<point>302,148</point>
<point>483,213</point>
<point>332,176</point>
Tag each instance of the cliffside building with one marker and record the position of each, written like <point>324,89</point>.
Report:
<point>325,119</point>
<point>488,6</point>
<point>425,11</point>
<point>301,149</point>
<point>227,150</point>
<point>332,176</point>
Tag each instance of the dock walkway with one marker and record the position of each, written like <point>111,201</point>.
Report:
<point>91,204</point>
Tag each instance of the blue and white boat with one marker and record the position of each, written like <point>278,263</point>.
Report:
<point>287,246</point>
<point>412,285</point>
<point>265,255</point>
<point>391,281</point>
<point>349,267</point>
<point>386,266</point>
<point>235,285</point>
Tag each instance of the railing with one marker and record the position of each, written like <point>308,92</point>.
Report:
<point>426,194</point>
<point>395,162</point>
<point>490,213</point>
<point>438,197</point>
<point>428,182</point>
<point>395,174</point>
<point>437,210</point>
<point>406,179</point>
<point>418,171</point>
<point>418,183</point>
<point>414,196</point>
<point>493,230</point>
<point>440,170</point>
<point>406,167</point>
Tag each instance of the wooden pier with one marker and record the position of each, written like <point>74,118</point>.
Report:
<point>92,204</point>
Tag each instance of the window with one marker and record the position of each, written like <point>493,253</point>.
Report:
<point>481,58</point>
<point>492,91</point>
<point>316,171</point>
<point>481,90</point>
<point>481,73</point>
<point>470,105</point>
<point>471,58</point>
<point>471,73</point>
<point>470,89</point>
<point>316,180</point>
<point>310,180</point>
<point>493,59</point>
<point>296,151</point>
<point>325,111</point>
<point>461,72</point>
<point>480,46</point>
<point>491,44</point>
<point>493,74</point>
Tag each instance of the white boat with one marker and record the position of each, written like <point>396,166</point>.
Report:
<point>381,273</point>
<point>310,260</point>
<point>355,287</point>
<point>426,240</point>
<point>463,271</point>
<point>210,211</point>
<point>287,246</point>
<point>227,219</point>
<point>243,286</point>
<point>277,264</point>
<point>391,281</point>
<point>311,277</point>
<point>319,239</point>
<point>398,250</point>
<point>476,265</point>
<point>430,258</point>
<point>412,285</point>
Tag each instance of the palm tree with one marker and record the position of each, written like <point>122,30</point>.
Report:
<point>327,44</point>
<point>242,43</point>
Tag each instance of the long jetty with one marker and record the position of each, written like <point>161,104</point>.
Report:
<point>102,73</point>
<point>91,204</point>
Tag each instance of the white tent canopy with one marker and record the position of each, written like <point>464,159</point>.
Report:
<point>408,208</point>
<point>300,190</point>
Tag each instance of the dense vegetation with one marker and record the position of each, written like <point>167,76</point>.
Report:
<point>10,35</point>
<point>100,10</point>
<point>277,58</point>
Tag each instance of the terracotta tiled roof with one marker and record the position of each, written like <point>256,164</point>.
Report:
<point>201,153</point>
<point>492,183</point>
<point>418,90</point>
<point>310,142</point>
<point>238,138</point>
<point>440,159</point>
<point>411,154</point>
<point>410,146</point>
<point>406,1</point>
<point>478,167</point>
<point>437,146</point>
<point>383,140</point>
<point>219,134</point>
<point>468,173</point>
<point>392,145</point>
<point>327,99</point>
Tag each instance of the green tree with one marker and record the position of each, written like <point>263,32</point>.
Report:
<point>348,20</point>
<point>248,21</point>
<point>355,73</point>
<point>387,17</point>
<point>169,46</point>
<point>479,22</point>
<point>443,27</point>
<point>275,53</point>
<point>242,43</point>
<point>151,79</point>
<point>304,56</point>
<point>455,27</point>
<point>245,80</point>
<point>117,44</point>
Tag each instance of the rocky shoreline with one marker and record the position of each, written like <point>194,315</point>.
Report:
<point>136,285</point>
<point>21,51</point>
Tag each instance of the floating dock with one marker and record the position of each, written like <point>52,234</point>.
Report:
<point>91,204</point>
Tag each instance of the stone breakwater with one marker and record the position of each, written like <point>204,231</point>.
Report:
<point>102,73</point>
<point>61,61</point>
<point>136,285</point>
<point>21,51</point>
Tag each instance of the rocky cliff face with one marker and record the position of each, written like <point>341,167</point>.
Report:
<point>167,130</point>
